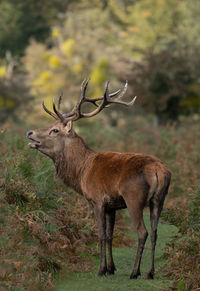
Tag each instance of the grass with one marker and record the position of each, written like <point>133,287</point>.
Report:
<point>39,221</point>
<point>43,224</point>
<point>46,229</point>
<point>183,252</point>
<point>123,256</point>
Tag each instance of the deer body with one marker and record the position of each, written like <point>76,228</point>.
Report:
<point>109,181</point>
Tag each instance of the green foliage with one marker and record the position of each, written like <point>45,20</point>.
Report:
<point>14,91</point>
<point>194,213</point>
<point>152,43</point>
<point>183,250</point>
<point>39,228</point>
<point>181,285</point>
<point>191,214</point>
<point>123,258</point>
<point>21,20</point>
<point>161,40</point>
<point>147,42</point>
<point>72,55</point>
<point>51,223</point>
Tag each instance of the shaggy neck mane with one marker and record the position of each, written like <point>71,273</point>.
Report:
<point>71,162</point>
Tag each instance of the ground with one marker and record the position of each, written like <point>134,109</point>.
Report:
<point>123,257</point>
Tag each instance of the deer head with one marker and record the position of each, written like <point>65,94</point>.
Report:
<point>53,139</point>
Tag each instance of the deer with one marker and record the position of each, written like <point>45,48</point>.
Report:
<point>110,181</point>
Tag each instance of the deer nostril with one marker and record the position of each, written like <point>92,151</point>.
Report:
<point>29,133</point>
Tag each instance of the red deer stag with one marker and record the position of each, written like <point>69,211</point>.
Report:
<point>108,180</point>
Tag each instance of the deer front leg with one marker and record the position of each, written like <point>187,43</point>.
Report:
<point>110,222</point>
<point>101,220</point>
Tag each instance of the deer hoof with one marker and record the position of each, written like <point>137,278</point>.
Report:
<point>150,276</point>
<point>111,270</point>
<point>102,272</point>
<point>135,275</point>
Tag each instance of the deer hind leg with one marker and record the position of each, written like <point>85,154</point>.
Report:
<point>110,222</point>
<point>136,213</point>
<point>155,210</point>
<point>101,220</point>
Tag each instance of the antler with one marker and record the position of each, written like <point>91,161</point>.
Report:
<point>76,113</point>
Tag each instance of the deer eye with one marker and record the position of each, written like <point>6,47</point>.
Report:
<point>54,130</point>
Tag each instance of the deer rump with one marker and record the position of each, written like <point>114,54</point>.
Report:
<point>117,177</point>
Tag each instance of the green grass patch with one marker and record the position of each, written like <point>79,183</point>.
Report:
<point>124,259</point>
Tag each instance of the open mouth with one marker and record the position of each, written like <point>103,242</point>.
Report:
<point>34,144</point>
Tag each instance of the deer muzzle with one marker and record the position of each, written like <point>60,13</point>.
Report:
<point>35,143</point>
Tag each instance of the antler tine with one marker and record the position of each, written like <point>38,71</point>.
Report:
<point>83,88</point>
<point>76,113</point>
<point>49,112</point>
<point>118,99</point>
<point>100,106</point>
<point>60,116</point>
<point>94,100</point>
<point>106,93</point>
<point>59,101</point>
<point>114,93</point>
<point>123,90</point>
<point>128,104</point>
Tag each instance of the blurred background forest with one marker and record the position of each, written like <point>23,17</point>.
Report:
<point>49,47</point>
<point>46,49</point>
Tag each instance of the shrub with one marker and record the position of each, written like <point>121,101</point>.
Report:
<point>183,251</point>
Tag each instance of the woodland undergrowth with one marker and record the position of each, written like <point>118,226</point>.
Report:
<point>45,228</point>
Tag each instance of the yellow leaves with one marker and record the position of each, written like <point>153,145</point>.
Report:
<point>45,57</point>
<point>48,103</point>
<point>132,28</point>
<point>3,71</point>
<point>77,68</point>
<point>54,62</point>
<point>146,13</point>
<point>192,101</point>
<point>98,75</point>
<point>6,102</point>
<point>123,34</point>
<point>44,77</point>
<point>55,32</point>
<point>44,81</point>
<point>9,103</point>
<point>97,92</point>
<point>47,84</point>
<point>68,47</point>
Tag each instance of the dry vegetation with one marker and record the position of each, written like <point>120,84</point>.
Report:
<point>183,251</point>
<point>45,227</point>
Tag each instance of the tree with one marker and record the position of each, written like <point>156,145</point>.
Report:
<point>152,43</point>
<point>20,20</point>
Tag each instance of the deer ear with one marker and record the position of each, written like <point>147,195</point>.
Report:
<point>68,127</point>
